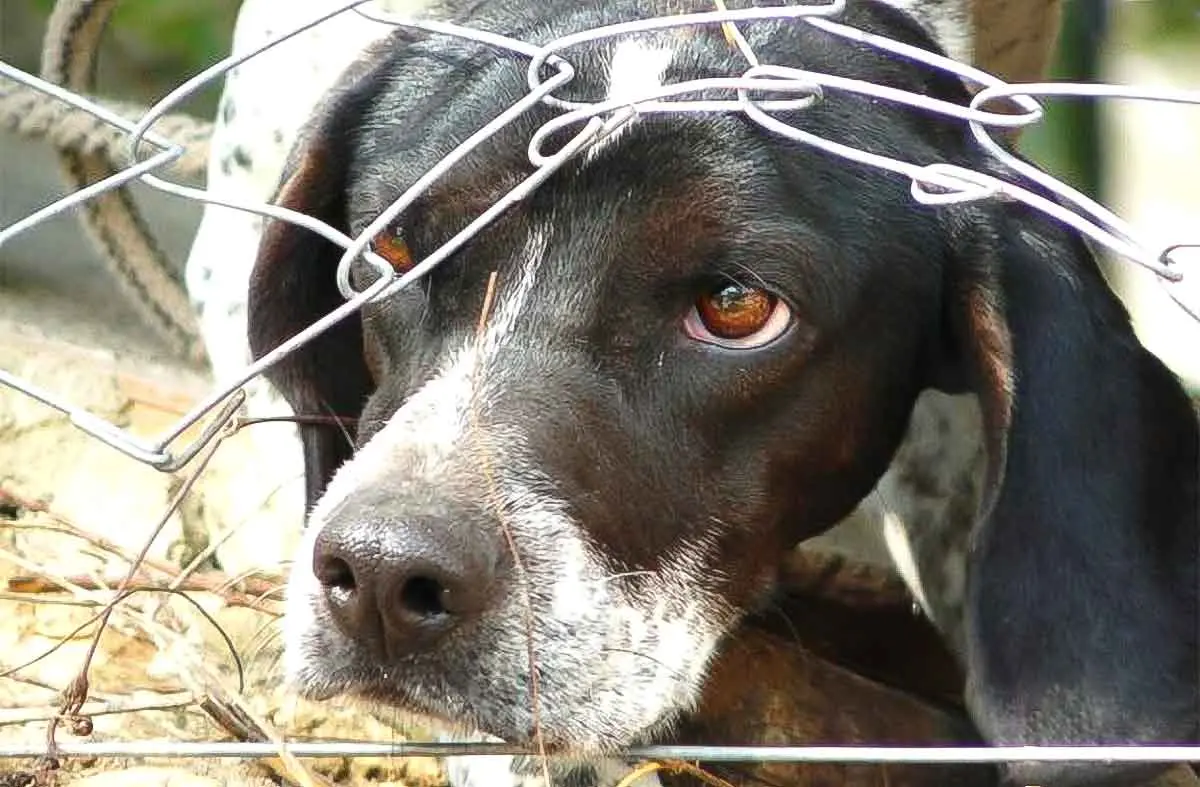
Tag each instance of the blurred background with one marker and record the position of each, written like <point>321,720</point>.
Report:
<point>1139,158</point>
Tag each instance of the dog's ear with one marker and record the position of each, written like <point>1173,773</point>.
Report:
<point>293,282</point>
<point>1082,616</point>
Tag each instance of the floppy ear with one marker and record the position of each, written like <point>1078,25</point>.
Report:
<point>1082,619</point>
<point>293,283</point>
<point>1082,616</point>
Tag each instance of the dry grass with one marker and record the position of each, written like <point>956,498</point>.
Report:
<point>188,652</point>
<point>182,658</point>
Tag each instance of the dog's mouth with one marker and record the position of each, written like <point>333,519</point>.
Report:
<point>609,677</point>
<point>372,689</point>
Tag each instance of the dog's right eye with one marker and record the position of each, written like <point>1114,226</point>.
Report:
<point>737,317</point>
<point>390,245</point>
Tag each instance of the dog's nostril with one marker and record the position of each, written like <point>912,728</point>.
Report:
<point>424,597</point>
<point>335,573</point>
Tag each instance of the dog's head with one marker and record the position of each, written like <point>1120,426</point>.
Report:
<point>702,345</point>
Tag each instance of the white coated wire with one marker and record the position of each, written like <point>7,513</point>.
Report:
<point>760,754</point>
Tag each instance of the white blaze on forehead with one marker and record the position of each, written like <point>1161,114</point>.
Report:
<point>636,70</point>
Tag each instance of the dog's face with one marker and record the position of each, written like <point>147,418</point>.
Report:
<point>585,439</point>
<point>680,371</point>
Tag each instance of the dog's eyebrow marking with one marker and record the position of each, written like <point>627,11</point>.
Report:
<point>636,69</point>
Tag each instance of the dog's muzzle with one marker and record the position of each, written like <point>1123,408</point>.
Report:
<point>442,574</point>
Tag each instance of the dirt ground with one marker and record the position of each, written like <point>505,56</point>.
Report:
<point>73,513</point>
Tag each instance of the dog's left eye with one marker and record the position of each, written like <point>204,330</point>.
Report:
<point>737,317</point>
<point>390,245</point>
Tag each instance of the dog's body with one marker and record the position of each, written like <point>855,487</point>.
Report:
<point>838,659</point>
<point>599,483</point>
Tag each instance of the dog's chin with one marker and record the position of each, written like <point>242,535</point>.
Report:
<point>374,697</point>
<point>450,718</point>
<point>371,690</point>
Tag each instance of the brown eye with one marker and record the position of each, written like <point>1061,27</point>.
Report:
<point>737,317</point>
<point>735,312</point>
<point>390,245</point>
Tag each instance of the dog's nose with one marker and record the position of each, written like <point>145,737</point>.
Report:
<point>397,588</point>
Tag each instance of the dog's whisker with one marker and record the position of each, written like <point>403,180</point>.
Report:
<point>671,671</point>
<point>622,575</point>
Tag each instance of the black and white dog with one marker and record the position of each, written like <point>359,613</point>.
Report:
<point>706,344</point>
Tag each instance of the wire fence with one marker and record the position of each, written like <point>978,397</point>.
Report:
<point>192,438</point>
<point>850,755</point>
<point>932,184</point>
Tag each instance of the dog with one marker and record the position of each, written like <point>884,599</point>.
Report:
<point>706,344</point>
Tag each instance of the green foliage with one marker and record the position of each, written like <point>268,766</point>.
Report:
<point>180,36</point>
<point>183,34</point>
<point>1166,22</point>
<point>1069,142</point>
